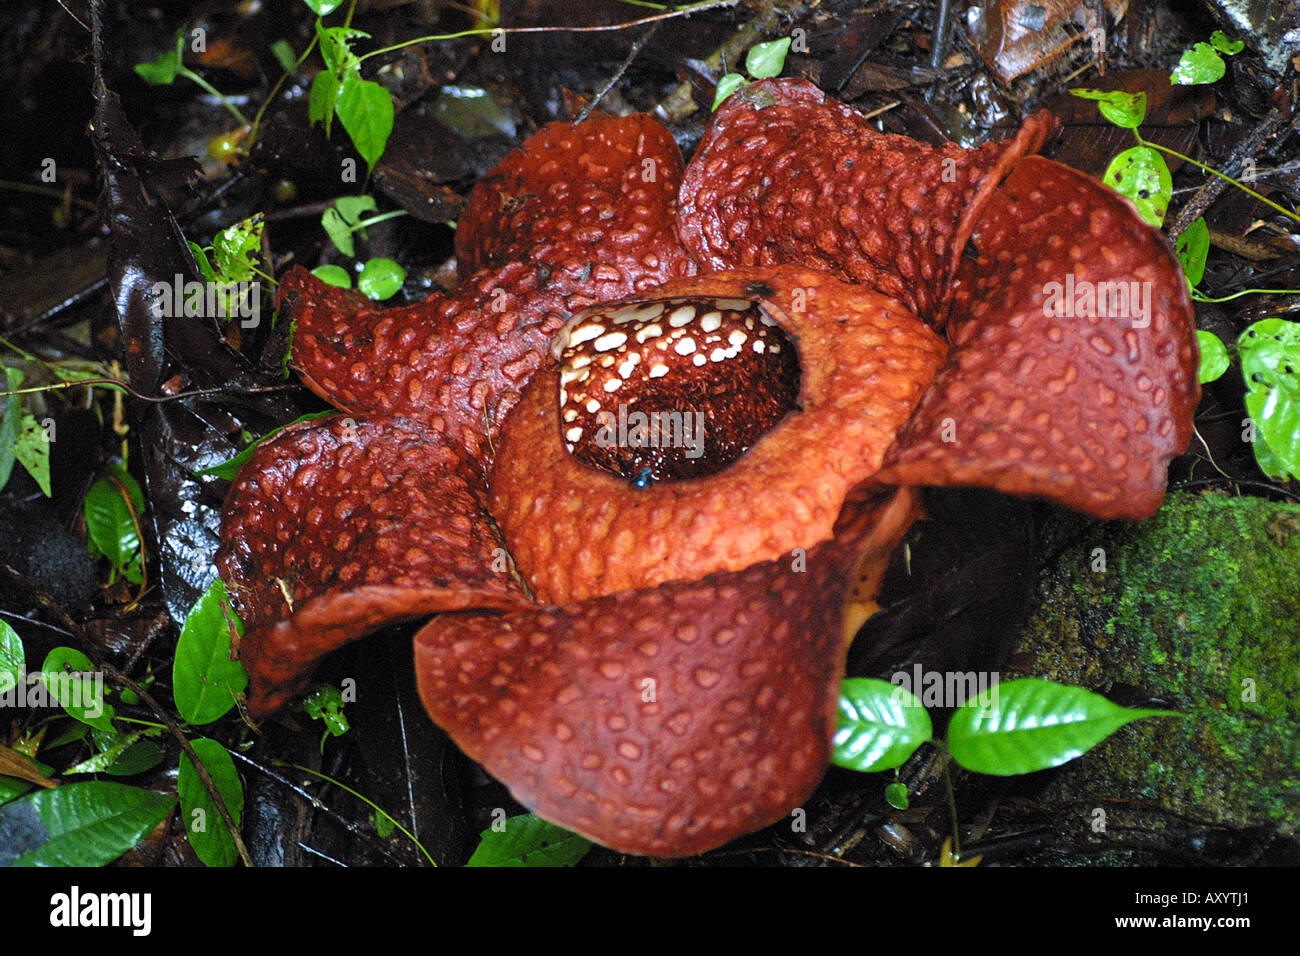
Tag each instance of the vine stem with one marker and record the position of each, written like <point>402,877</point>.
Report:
<point>1224,176</point>
<point>368,802</point>
<point>501,31</point>
<point>208,87</point>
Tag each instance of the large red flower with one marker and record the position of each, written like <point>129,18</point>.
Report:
<point>659,626</point>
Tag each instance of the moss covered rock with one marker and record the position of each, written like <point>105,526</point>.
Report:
<point>1198,608</point>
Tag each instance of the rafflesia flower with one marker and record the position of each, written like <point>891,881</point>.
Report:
<point>658,446</point>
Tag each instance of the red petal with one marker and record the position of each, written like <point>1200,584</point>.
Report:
<point>1083,409</point>
<point>669,720</point>
<point>334,529</point>
<point>576,532</point>
<point>606,184</point>
<point>459,361</point>
<point>786,174</point>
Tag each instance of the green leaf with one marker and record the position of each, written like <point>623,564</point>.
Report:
<point>341,220</point>
<point>202,261</point>
<point>10,424</point>
<point>81,696</point>
<point>13,662</point>
<point>1221,42</point>
<point>136,757</point>
<point>82,824</point>
<point>284,55</point>
<point>109,525</point>
<point>1200,64</point>
<point>1214,356</point>
<point>334,275</point>
<point>1033,724</point>
<point>880,726</point>
<point>323,8</point>
<point>1270,364</point>
<point>767,59</point>
<point>165,69</point>
<point>325,702</point>
<point>100,762</point>
<point>366,111</point>
<point>896,795</point>
<point>1126,110</point>
<point>207,831</point>
<point>726,86</point>
<point>33,450</point>
<point>204,678</point>
<point>380,278</point>
<point>1140,175</point>
<point>1191,248</point>
<point>336,47</point>
<point>529,840</point>
<point>230,467</point>
<point>236,249</point>
<point>324,97</point>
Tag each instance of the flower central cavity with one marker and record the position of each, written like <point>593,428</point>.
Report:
<point>669,389</point>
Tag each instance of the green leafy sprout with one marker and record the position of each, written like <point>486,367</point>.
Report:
<point>763,60</point>
<point>379,278</point>
<point>1268,349</point>
<point>1022,726</point>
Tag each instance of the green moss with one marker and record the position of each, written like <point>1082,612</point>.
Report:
<point>1200,607</point>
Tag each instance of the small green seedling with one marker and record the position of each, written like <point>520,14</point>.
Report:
<point>1021,727</point>
<point>761,62</point>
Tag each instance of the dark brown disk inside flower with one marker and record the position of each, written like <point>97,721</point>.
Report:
<point>672,388</point>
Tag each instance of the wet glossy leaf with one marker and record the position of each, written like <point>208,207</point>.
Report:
<point>336,47</point>
<point>1221,42</point>
<point>117,745</point>
<point>324,702</point>
<point>204,678</point>
<point>10,423</point>
<point>236,249</point>
<point>880,725</point>
<point>529,840</point>
<point>33,451</point>
<point>1200,64</point>
<point>366,111</point>
<point>17,766</point>
<point>333,275</point>
<point>767,59</point>
<point>12,658</point>
<point>1033,724</point>
<point>206,830</point>
<point>1270,365</point>
<point>111,528</point>
<point>141,755</point>
<point>381,278</point>
<point>896,796</point>
<point>323,8</point>
<point>71,680</point>
<point>726,86</point>
<point>1191,248</point>
<point>80,824</point>
<point>1140,175</point>
<point>1126,110</point>
<point>1214,356</point>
